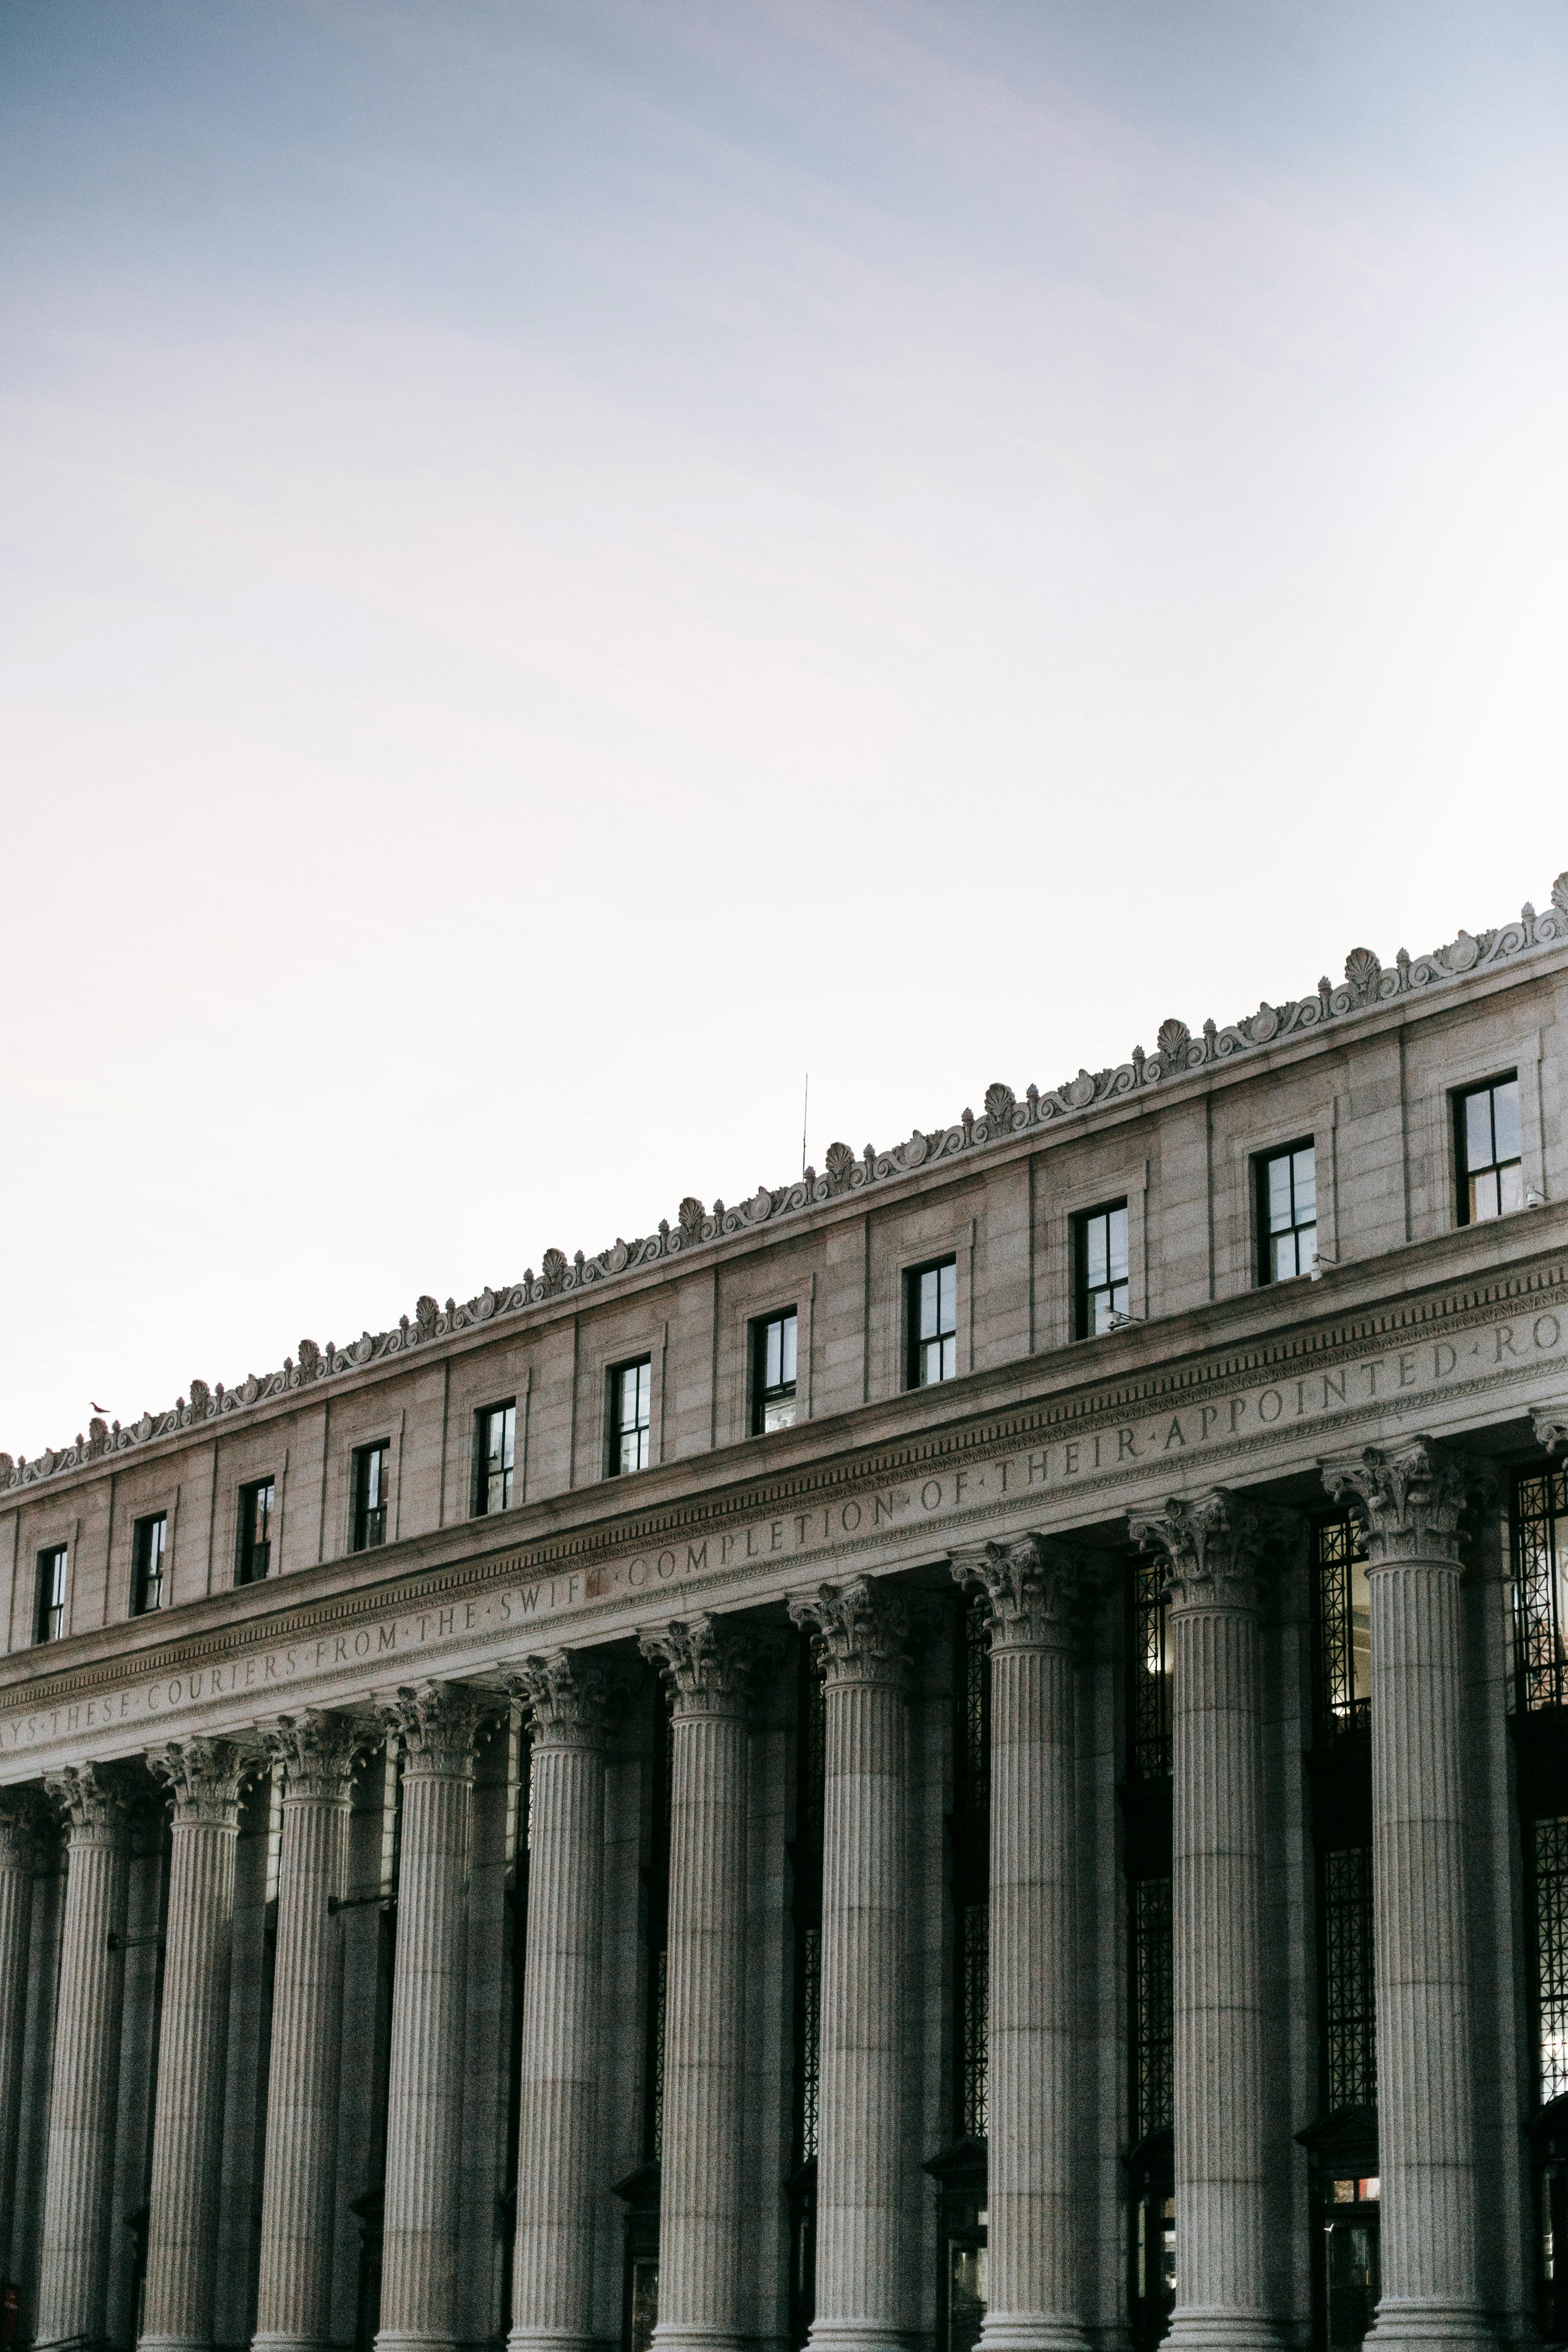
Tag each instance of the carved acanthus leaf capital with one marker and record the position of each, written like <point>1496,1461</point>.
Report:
<point>708,1667</point>
<point>98,1801</point>
<point>318,1752</point>
<point>1550,1426</point>
<point>864,1629</point>
<point>440,1726</point>
<point>1408,1497</point>
<point>1034,1587</point>
<point>564,1699</point>
<point>1215,1546</point>
<point>205,1777</point>
<point>25,1823</point>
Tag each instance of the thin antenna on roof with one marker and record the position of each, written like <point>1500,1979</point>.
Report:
<point>805,1107</point>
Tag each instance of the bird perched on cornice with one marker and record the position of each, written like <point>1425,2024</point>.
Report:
<point>101,1408</point>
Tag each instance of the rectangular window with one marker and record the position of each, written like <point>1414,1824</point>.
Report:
<point>1540,1587</point>
<point>1548,1856</point>
<point>49,1622</point>
<point>1485,1134</point>
<point>631,1405</point>
<point>495,1443</point>
<point>148,1540</point>
<point>1287,1213</point>
<point>252,1557</point>
<point>932,1308</point>
<point>371,1463</point>
<point>773,1373</point>
<point>1344,1626</point>
<point>1100,1253</point>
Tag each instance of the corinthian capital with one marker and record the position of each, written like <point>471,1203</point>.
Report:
<point>1408,1497</point>
<point>23,1820</point>
<point>205,1777</point>
<point>318,1753</point>
<point>864,1629</point>
<point>1551,1425</point>
<point>1213,1547</point>
<point>438,1725</point>
<point>709,1666</point>
<point>97,1800</point>
<point>564,1699</point>
<point>1033,1589</point>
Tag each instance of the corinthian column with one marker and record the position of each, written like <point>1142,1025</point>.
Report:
<point>699,2226</point>
<point>557,2144</point>
<point>293,2300</point>
<point>1032,1590</point>
<point>1213,1547</point>
<point>861,2188</point>
<point>205,1777</point>
<point>437,1726</point>
<point>20,1818</point>
<point>79,2167</point>
<point>1409,1499</point>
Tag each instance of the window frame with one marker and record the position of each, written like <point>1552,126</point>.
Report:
<point>363,1511</point>
<point>615,1430</point>
<point>246,1545</point>
<point>480,1505</point>
<point>1262,1161</point>
<point>45,1605</point>
<point>1082,1329</point>
<point>784,1391</point>
<point>1460,1096</point>
<point>914,1344</point>
<point>142,1532</point>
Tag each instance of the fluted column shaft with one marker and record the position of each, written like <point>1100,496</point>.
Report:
<point>19,1811</point>
<point>704,2016</point>
<point>1409,1500</point>
<point>436,1725</point>
<point>187,2130</point>
<point>1033,1589</point>
<point>79,2167</point>
<point>557,2152</point>
<point>861,2188</point>
<point>1213,1547</point>
<point>293,2308</point>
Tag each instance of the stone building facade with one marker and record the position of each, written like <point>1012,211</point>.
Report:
<point>972,1748</point>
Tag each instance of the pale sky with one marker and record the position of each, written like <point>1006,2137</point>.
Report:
<point>561,565</point>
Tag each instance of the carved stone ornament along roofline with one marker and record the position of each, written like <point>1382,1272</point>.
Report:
<point>1368,985</point>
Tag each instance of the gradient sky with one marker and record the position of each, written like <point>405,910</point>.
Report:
<point>563,564</point>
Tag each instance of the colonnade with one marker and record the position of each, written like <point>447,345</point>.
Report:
<point>1218,1549</point>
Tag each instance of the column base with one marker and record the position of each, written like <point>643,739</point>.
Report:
<point>1221,2329</point>
<point>1031,2331</point>
<point>1423,2321</point>
<point>853,2335</point>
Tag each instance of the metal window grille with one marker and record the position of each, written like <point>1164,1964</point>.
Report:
<point>1153,2004</point>
<point>1350,2028</point>
<point>933,1324</point>
<point>975,1724</point>
<point>1550,1861</point>
<point>1345,1625</point>
<point>660,1990</point>
<point>1149,1660</point>
<point>1101,1268</point>
<point>810,2039</point>
<point>974,1965</point>
<point>1491,1171</point>
<point>1540,1587</point>
<point>1287,1213</point>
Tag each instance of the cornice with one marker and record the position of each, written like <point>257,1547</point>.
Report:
<point>441,1569</point>
<point>1369,989</point>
